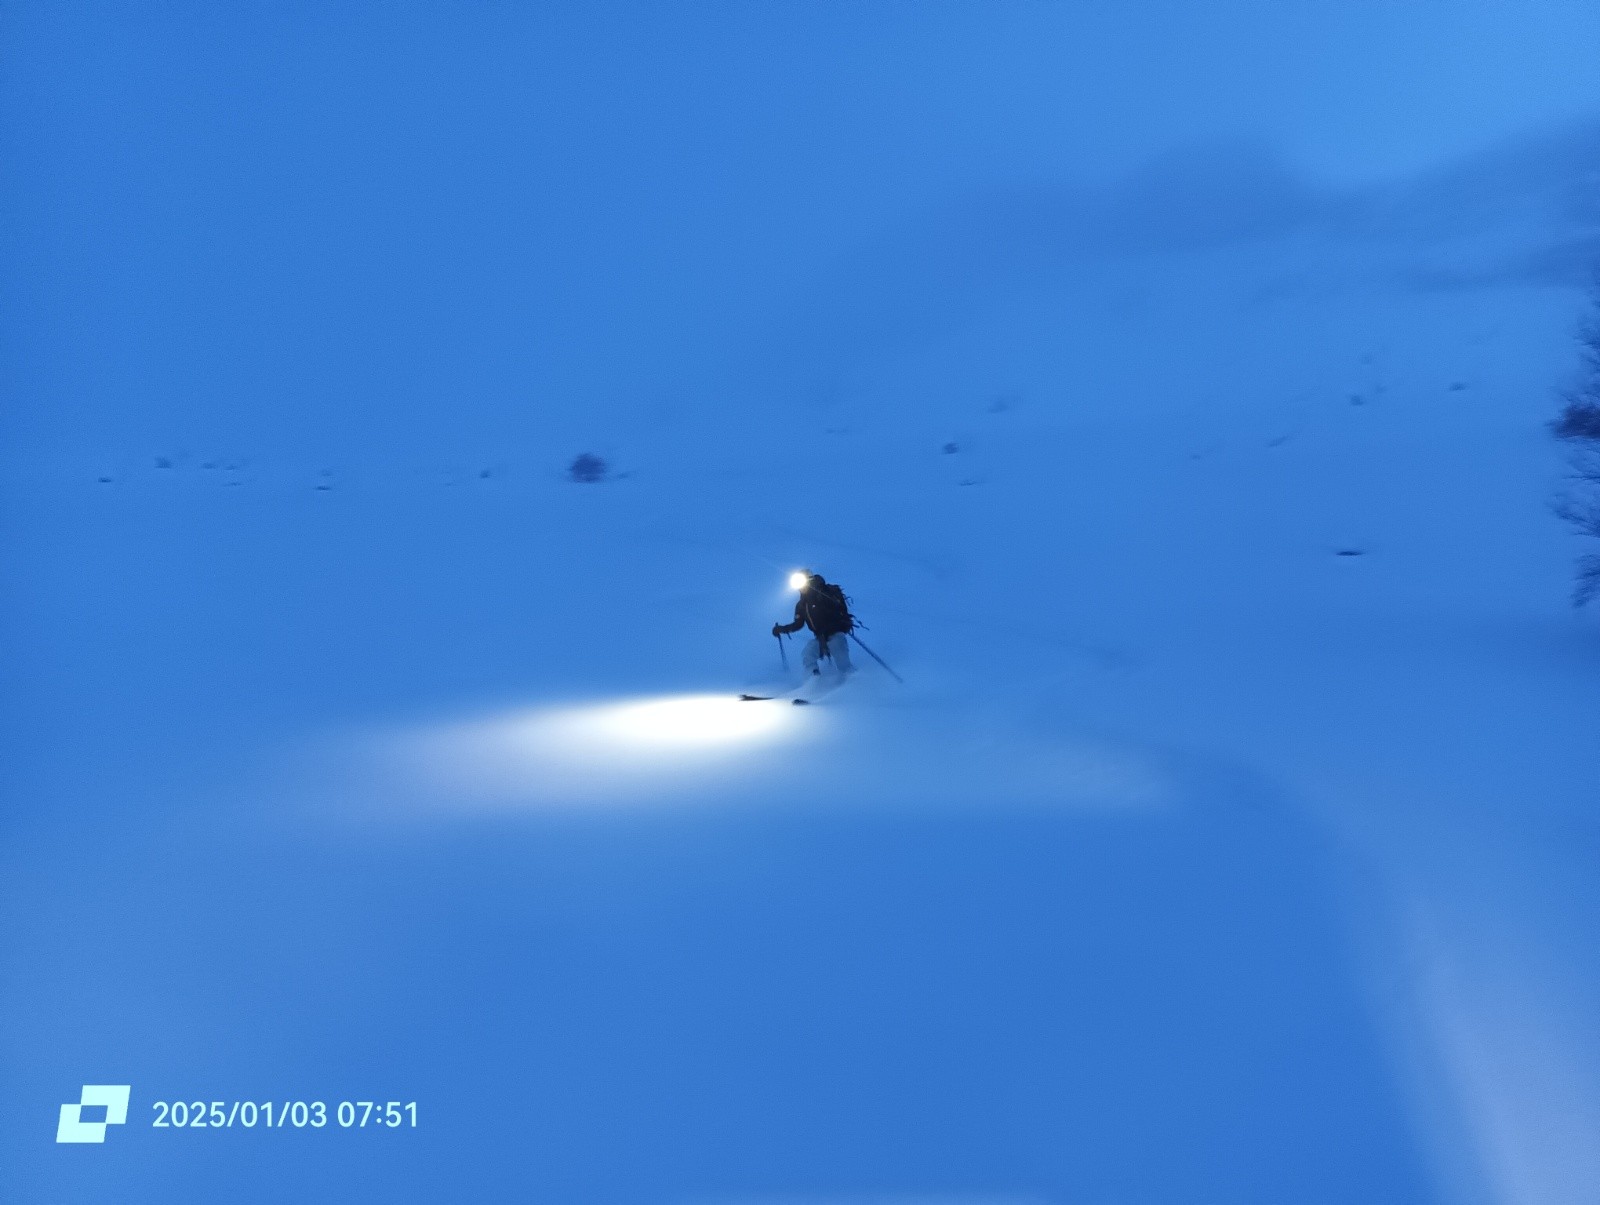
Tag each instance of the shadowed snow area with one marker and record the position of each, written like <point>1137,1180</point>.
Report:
<point>1230,839</point>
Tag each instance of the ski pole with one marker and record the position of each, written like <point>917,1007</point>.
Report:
<point>878,659</point>
<point>783,656</point>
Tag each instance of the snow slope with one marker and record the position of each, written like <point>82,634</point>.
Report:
<point>1233,837</point>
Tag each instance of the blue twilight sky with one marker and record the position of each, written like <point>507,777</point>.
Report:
<point>286,226</point>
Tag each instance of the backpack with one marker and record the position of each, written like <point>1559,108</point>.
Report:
<point>828,610</point>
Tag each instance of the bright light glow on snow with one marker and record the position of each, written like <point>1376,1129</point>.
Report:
<point>689,722</point>
<point>625,749</point>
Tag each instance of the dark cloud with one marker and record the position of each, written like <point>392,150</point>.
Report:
<point>1523,211</point>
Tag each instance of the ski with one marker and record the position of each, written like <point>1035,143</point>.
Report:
<point>807,692</point>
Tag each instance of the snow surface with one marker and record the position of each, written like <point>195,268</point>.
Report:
<point>354,752</point>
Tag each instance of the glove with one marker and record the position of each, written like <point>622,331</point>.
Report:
<point>776,630</point>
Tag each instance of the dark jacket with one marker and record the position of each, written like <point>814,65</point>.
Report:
<point>823,609</point>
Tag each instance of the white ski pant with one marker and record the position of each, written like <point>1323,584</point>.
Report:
<point>838,649</point>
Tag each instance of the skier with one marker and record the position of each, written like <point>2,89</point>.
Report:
<point>823,608</point>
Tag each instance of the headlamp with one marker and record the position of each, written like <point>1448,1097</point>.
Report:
<point>798,580</point>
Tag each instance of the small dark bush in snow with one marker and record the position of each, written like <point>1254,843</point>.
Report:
<point>1579,424</point>
<point>1581,510</point>
<point>1588,585</point>
<point>1578,420</point>
<point>1580,412</point>
<point>587,468</point>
